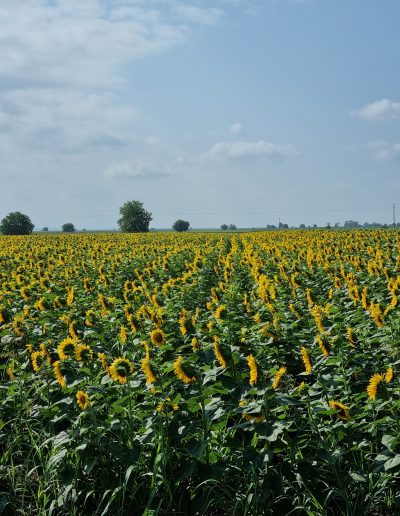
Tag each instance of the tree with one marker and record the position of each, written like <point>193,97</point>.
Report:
<point>224,227</point>
<point>68,227</point>
<point>351,224</point>
<point>232,227</point>
<point>134,218</point>
<point>16,223</point>
<point>181,225</point>
<point>45,229</point>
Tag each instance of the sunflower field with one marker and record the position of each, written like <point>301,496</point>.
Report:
<point>200,373</point>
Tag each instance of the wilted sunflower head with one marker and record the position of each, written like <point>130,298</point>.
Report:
<point>120,369</point>
<point>157,337</point>
<point>343,410</point>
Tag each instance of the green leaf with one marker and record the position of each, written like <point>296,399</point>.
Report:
<point>392,463</point>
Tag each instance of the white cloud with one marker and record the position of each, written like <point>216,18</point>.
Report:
<point>242,150</point>
<point>136,169</point>
<point>236,128</point>
<point>198,15</point>
<point>385,151</point>
<point>63,64</point>
<point>384,109</point>
<point>66,117</point>
<point>78,42</point>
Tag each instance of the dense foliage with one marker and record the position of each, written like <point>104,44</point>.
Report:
<point>16,223</point>
<point>200,373</point>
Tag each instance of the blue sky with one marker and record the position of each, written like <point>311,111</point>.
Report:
<point>224,111</point>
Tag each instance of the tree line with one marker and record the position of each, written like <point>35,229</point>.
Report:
<point>134,218</point>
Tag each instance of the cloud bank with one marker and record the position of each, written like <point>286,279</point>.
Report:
<point>384,109</point>
<point>244,150</point>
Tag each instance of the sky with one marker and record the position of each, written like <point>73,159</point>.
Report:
<point>240,112</point>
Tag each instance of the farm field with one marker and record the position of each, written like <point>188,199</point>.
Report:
<point>203,373</point>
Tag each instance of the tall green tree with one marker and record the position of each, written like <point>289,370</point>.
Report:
<point>181,225</point>
<point>134,218</point>
<point>16,223</point>
<point>68,227</point>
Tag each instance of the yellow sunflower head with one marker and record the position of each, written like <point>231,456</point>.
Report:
<point>83,353</point>
<point>220,312</point>
<point>82,399</point>
<point>157,337</point>
<point>120,370</point>
<point>66,348</point>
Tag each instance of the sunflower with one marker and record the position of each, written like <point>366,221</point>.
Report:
<point>83,353</point>
<point>120,369</point>
<point>306,360</point>
<point>251,361</point>
<point>277,378</point>
<point>180,373</point>
<point>122,334</point>
<point>146,368</point>
<point>374,382</point>
<point>37,359</point>
<point>157,337</point>
<point>58,373</point>
<point>343,410</point>
<point>389,374</point>
<point>66,348</point>
<point>220,312</point>
<point>82,399</point>
<point>195,344</point>
<point>10,372</point>
<point>103,360</point>
<point>218,355</point>
<point>89,318</point>
<point>320,341</point>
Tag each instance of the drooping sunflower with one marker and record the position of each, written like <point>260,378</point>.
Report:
<point>374,382</point>
<point>389,375</point>
<point>90,317</point>
<point>344,410</point>
<point>220,312</point>
<point>37,360</point>
<point>306,360</point>
<point>58,373</point>
<point>146,368</point>
<point>10,372</point>
<point>157,337</point>
<point>122,334</point>
<point>82,399</point>
<point>251,361</point>
<point>218,355</point>
<point>180,373</point>
<point>66,348</point>
<point>120,370</point>
<point>103,360</point>
<point>277,378</point>
<point>195,344</point>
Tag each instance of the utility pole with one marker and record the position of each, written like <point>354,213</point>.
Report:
<point>394,215</point>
